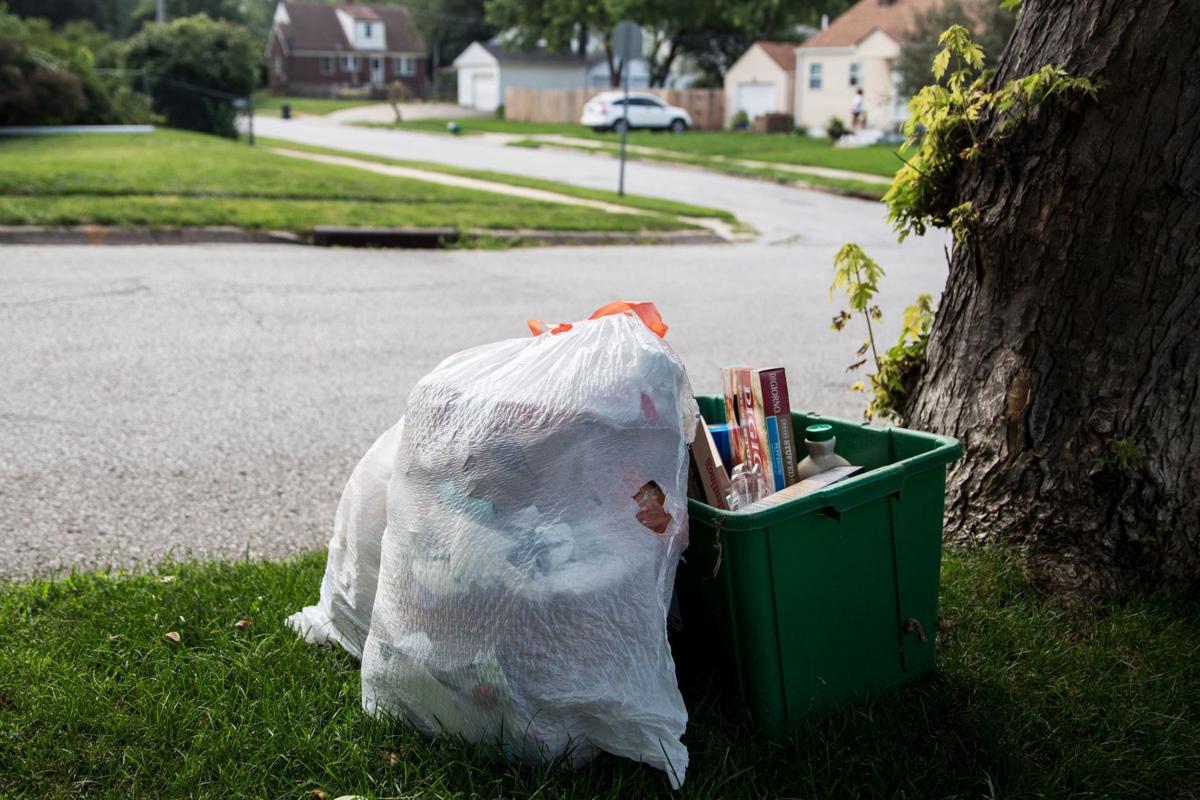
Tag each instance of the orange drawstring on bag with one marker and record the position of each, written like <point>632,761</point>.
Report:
<point>644,310</point>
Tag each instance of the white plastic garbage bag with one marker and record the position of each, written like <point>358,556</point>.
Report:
<point>536,511</point>
<point>343,614</point>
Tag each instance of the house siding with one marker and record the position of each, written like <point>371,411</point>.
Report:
<point>302,73</point>
<point>877,54</point>
<point>757,66</point>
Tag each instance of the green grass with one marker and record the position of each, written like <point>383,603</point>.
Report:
<point>1030,699</point>
<point>781,148</point>
<point>655,204</point>
<point>848,187</point>
<point>267,103</point>
<point>175,178</point>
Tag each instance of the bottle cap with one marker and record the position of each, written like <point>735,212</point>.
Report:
<point>819,432</point>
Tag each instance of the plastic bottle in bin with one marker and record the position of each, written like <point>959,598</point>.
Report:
<point>746,486</point>
<point>820,441</point>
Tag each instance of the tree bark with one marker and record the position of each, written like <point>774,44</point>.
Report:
<point>660,68</point>
<point>1069,331</point>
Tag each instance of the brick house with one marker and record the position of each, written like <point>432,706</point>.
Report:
<point>322,50</point>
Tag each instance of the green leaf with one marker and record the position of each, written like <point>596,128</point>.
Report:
<point>940,63</point>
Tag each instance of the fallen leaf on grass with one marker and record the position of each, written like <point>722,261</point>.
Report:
<point>390,756</point>
<point>115,637</point>
<point>242,623</point>
<point>173,637</point>
<point>166,578</point>
<point>319,794</point>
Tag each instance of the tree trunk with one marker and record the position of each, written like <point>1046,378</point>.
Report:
<point>1066,351</point>
<point>660,68</point>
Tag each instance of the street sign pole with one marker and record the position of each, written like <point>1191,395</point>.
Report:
<point>624,128</point>
<point>627,44</point>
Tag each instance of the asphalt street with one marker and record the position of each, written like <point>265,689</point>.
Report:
<point>211,400</point>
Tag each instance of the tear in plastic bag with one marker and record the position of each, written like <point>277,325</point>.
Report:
<point>535,514</point>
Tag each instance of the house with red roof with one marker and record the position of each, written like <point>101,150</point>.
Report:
<point>320,50</point>
<point>857,51</point>
<point>762,81</point>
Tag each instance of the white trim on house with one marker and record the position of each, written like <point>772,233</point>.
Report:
<point>404,66</point>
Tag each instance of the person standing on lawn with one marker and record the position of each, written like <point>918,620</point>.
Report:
<point>857,118</point>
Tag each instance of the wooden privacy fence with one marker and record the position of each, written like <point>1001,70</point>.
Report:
<point>707,106</point>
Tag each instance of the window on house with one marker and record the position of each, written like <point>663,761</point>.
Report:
<point>367,29</point>
<point>405,65</point>
<point>349,63</point>
<point>856,78</point>
<point>326,65</point>
<point>278,65</point>
<point>814,76</point>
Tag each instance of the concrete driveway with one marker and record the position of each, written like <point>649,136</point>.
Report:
<point>212,400</point>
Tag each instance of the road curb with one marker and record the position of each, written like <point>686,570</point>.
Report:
<point>397,238</point>
<point>126,235</point>
<point>551,238</point>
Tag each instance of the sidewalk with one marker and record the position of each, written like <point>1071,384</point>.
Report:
<point>719,227</point>
<point>383,112</point>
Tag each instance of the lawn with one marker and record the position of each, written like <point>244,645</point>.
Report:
<point>267,103</point>
<point>177,178</point>
<point>1030,699</point>
<point>780,148</point>
<point>655,204</point>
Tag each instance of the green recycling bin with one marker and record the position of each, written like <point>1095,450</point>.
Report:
<point>792,611</point>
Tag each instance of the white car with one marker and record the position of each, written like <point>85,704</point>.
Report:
<point>606,112</point>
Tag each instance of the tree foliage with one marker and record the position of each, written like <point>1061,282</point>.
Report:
<point>184,58</point>
<point>48,77</point>
<point>237,11</point>
<point>711,33</point>
<point>719,32</point>
<point>106,15</point>
<point>943,132</point>
<point>450,25</point>
<point>990,23</point>
<point>944,129</point>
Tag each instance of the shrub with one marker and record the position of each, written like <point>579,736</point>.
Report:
<point>195,69</point>
<point>836,129</point>
<point>32,94</point>
<point>48,77</point>
<point>740,121</point>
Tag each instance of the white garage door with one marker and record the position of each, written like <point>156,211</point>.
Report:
<point>485,91</point>
<point>756,98</point>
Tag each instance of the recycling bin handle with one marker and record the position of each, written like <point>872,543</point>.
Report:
<point>886,481</point>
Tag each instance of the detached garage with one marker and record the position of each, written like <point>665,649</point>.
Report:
<point>762,81</point>
<point>485,70</point>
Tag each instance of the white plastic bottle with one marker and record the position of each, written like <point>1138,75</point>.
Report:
<point>820,441</point>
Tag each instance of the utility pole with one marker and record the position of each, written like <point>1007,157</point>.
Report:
<point>160,11</point>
